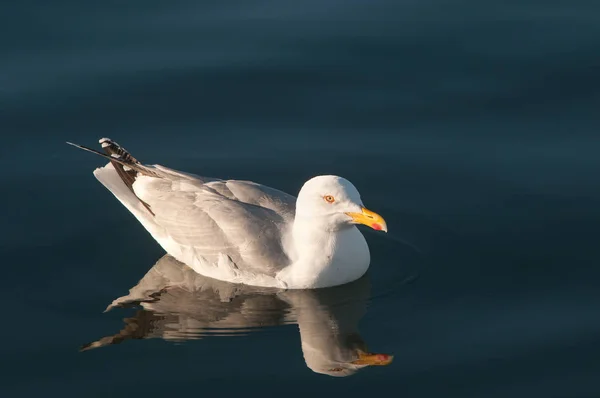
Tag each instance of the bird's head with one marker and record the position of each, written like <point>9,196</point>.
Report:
<point>336,203</point>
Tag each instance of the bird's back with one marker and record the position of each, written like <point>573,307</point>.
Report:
<point>226,229</point>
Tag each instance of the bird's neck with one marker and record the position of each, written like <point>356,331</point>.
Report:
<point>314,240</point>
<point>324,256</point>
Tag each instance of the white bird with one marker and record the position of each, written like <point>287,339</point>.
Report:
<point>244,232</point>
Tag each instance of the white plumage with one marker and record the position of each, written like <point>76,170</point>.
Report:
<point>244,232</point>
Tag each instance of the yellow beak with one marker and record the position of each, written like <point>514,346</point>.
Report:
<point>373,359</point>
<point>370,219</point>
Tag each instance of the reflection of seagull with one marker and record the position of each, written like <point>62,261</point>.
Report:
<point>243,232</point>
<point>179,304</point>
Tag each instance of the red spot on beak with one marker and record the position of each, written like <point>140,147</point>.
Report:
<point>376,227</point>
<point>382,357</point>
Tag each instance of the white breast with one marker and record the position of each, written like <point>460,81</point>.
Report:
<point>332,259</point>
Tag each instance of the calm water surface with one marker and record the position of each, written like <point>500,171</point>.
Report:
<point>472,127</point>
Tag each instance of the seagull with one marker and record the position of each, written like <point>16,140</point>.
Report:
<point>243,232</point>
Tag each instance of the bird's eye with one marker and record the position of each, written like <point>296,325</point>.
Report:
<point>329,199</point>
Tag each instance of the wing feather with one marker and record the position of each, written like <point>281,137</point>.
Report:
<point>202,220</point>
<point>242,220</point>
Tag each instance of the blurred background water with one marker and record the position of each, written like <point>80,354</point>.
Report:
<point>472,127</point>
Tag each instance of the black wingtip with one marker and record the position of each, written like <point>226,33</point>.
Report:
<point>105,156</point>
<point>86,149</point>
<point>117,161</point>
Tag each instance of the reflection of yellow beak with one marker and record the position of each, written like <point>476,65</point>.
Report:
<point>373,359</point>
<point>369,218</point>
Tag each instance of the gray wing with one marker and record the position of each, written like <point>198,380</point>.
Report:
<point>240,219</point>
<point>200,220</point>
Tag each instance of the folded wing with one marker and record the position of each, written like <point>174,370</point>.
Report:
<point>243,221</point>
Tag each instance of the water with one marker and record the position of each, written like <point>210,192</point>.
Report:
<point>471,127</point>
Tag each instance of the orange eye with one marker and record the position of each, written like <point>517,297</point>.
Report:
<point>329,199</point>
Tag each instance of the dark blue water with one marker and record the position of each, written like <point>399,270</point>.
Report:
<point>472,127</point>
